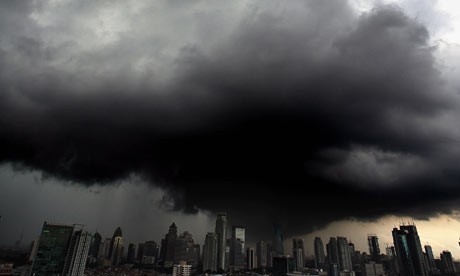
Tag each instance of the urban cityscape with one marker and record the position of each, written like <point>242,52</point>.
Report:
<point>229,138</point>
<point>71,250</point>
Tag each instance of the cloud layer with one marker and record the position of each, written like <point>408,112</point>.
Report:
<point>301,113</point>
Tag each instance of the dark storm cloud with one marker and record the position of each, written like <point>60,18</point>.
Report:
<point>301,115</point>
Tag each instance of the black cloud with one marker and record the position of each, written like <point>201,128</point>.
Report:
<point>264,124</point>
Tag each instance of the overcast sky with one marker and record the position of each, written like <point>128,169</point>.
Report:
<point>317,115</point>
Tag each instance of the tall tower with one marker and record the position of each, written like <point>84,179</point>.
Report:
<point>278,245</point>
<point>77,253</point>
<point>344,254</point>
<point>116,247</point>
<point>261,248</point>
<point>332,252</point>
<point>319,252</point>
<point>169,244</point>
<point>374,248</point>
<point>221,231</point>
<point>210,252</point>
<point>298,253</point>
<point>52,247</point>
<point>430,258</point>
<point>237,244</point>
<point>415,248</point>
<point>251,258</point>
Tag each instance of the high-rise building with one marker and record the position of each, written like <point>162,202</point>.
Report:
<point>278,245</point>
<point>251,258</point>
<point>447,263</point>
<point>149,252</point>
<point>210,252</point>
<point>409,251</point>
<point>261,254</point>
<point>62,250</point>
<point>430,258</point>
<point>393,264</point>
<point>186,250</point>
<point>116,247</point>
<point>298,253</point>
<point>52,248</point>
<point>95,247</point>
<point>131,257</point>
<point>168,244</point>
<point>221,231</point>
<point>344,254</point>
<point>77,253</point>
<point>237,246</point>
<point>319,253</point>
<point>374,248</point>
<point>332,253</point>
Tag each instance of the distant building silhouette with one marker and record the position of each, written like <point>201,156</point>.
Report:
<point>116,247</point>
<point>447,263</point>
<point>332,251</point>
<point>210,252</point>
<point>374,248</point>
<point>221,231</point>
<point>251,258</point>
<point>278,246</point>
<point>262,254</point>
<point>299,253</point>
<point>168,245</point>
<point>319,252</point>
<point>344,255</point>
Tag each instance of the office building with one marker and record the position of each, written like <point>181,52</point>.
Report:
<point>447,263</point>
<point>77,253</point>
<point>168,246</point>
<point>131,257</point>
<point>52,248</point>
<point>221,231</point>
<point>298,253</point>
<point>210,252</point>
<point>372,269</point>
<point>332,253</point>
<point>409,251</point>
<point>374,248</point>
<point>251,258</point>
<point>320,259</point>
<point>278,246</point>
<point>344,255</point>
<point>116,248</point>
<point>262,254</point>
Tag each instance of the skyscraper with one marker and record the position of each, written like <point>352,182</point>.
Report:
<point>237,246</point>
<point>374,248</point>
<point>430,258</point>
<point>77,253</point>
<point>116,247</point>
<point>221,231</point>
<point>210,252</point>
<point>415,248</point>
<point>298,253</point>
<point>409,251</point>
<point>168,245</point>
<point>95,247</point>
<point>52,250</point>
<point>332,253</point>
<point>131,253</point>
<point>319,252</point>
<point>251,258</point>
<point>447,263</point>
<point>262,254</point>
<point>278,245</point>
<point>344,254</point>
<point>186,250</point>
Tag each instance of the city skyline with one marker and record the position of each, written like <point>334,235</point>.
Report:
<point>306,118</point>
